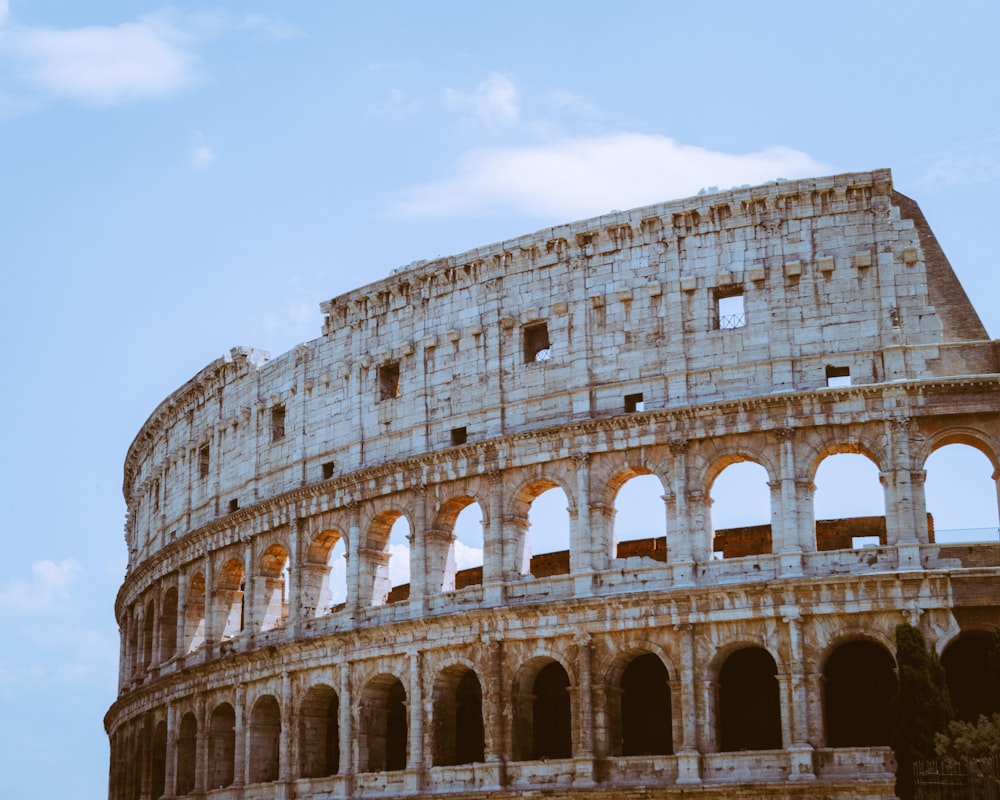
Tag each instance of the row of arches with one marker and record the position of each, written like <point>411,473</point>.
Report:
<point>305,574</point>
<point>857,688</point>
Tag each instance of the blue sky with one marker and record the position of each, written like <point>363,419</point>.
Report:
<point>176,180</point>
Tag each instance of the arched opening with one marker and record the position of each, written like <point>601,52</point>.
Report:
<point>194,613</point>
<point>972,670</point>
<point>849,503</point>
<point>187,754</point>
<point>547,540</point>
<point>168,625</point>
<point>383,725</point>
<point>319,733</point>
<point>132,625</point>
<point>265,740</point>
<point>158,761</point>
<point>272,587</point>
<point>324,575</point>
<point>458,557</point>
<point>859,695</point>
<point>741,511</point>
<point>543,723</point>
<point>749,707</point>
<point>961,494</point>
<point>229,598</point>
<point>388,559</point>
<point>640,520</point>
<point>646,714</point>
<point>458,718</point>
<point>221,747</point>
<point>148,630</point>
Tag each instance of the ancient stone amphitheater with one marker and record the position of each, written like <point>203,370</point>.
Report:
<point>780,325</point>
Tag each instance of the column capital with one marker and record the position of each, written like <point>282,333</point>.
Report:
<point>678,446</point>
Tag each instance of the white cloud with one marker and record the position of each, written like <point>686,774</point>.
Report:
<point>202,156</point>
<point>964,164</point>
<point>467,557</point>
<point>581,177</point>
<point>48,584</point>
<point>494,101</point>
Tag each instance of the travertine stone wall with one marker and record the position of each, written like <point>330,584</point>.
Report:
<point>423,394</point>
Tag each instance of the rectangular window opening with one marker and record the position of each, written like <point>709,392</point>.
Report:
<point>729,309</point>
<point>203,454</point>
<point>277,423</point>
<point>634,402</point>
<point>388,381</point>
<point>458,436</point>
<point>838,376</point>
<point>328,470</point>
<point>234,505</point>
<point>859,542</point>
<point>536,342</point>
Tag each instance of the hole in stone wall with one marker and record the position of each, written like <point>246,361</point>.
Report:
<point>838,376</point>
<point>234,505</point>
<point>729,309</point>
<point>458,436</point>
<point>536,342</point>
<point>634,402</point>
<point>277,423</point>
<point>388,381</point>
<point>328,470</point>
<point>203,456</point>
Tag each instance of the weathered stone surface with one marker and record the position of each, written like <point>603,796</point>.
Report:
<point>777,324</point>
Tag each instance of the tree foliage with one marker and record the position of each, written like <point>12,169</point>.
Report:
<point>923,707</point>
<point>965,741</point>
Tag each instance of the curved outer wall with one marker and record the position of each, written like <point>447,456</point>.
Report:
<point>423,394</point>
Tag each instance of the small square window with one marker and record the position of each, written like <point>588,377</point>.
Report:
<point>277,423</point>
<point>234,505</point>
<point>838,376</point>
<point>388,381</point>
<point>536,342</point>
<point>328,470</point>
<point>729,309</point>
<point>634,402</point>
<point>203,456</point>
<point>458,436</point>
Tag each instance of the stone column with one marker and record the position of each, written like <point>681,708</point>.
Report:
<point>348,749</point>
<point>182,634</point>
<point>584,722</point>
<point>917,479</point>
<point>805,492</point>
<point>420,579</point>
<point>494,562</point>
<point>815,683</point>
<point>241,762</point>
<point>494,697</point>
<point>700,519</point>
<point>680,532</point>
<point>212,631</point>
<point>790,543</point>
<point>688,755</point>
<point>249,586</point>
<point>354,547</point>
<point>899,515</point>
<point>171,755</point>
<point>201,745</point>
<point>294,588</point>
<point>581,544</point>
<point>796,702</point>
<point>416,708</point>
<point>439,561</point>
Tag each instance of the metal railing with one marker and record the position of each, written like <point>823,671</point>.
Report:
<point>966,535</point>
<point>976,779</point>
<point>732,321</point>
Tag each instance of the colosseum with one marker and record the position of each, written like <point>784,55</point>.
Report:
<point>268,651</point>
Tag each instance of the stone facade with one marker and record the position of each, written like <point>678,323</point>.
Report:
<point>779,324</point>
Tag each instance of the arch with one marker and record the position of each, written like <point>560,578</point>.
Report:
<point>229,598</point>
<point>543,725</point>
<point>458,558</point>
<point>194,613</point>
<point>459,735</point>
<point>319,733</point>
<point>132,624</point>
<point>187,754</point>
<point>265,740</point>
<point>272,587</point>
<point>972,671</point>
<point>640,515</point>
<point>961,434</point>
<point>158,761</point>
<point>324,574</point>
<point>849,500</point>
<point>387,572</point>
<point>960,490</point>
<point>646,713</point>
<point>547,538</point>
<point>858,445</point>
<point>859,695</point>
<point>749,716</point>
<point>741,507</point>
<point>168,624</point>
<point>221,747</point>
<point>384,727</point>
<point>148,634</point>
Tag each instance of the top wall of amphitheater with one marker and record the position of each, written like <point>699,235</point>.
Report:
<point>833,273</point>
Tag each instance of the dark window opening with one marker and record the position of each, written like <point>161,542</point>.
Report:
<point>186,754</point>
<point>536,342</point>
<point>395,734</point>
<point>970,676</point>
<point>319,733</point>
<point>156,496</point>
<point>234,505</point>
<point>859,695</point>
<point>838,376</point>
<point>749,707</point>
<point>388,381</point>
<point>646,710</point>
<point>277,423</point>
<point>458,436</point>
<point>551,722</point>
<point>328,470</point>
<point>634,402</point>
<point>729,309</point>
<point>159,761</point>
<point>203,454</point>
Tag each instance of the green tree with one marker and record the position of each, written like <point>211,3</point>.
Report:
<point>965,741</point>
<point>923,707</point>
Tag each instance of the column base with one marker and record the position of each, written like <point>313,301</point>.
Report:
<point>800,761</point>
<point>688,767</point>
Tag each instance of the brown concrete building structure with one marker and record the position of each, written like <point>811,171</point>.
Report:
<point>779,324</point>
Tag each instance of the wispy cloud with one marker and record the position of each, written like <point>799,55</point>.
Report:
<point>965,163</point>
<point>494,102</point>
<point>586,176</point>
<point>202,156</point>
<point>48,584</point>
